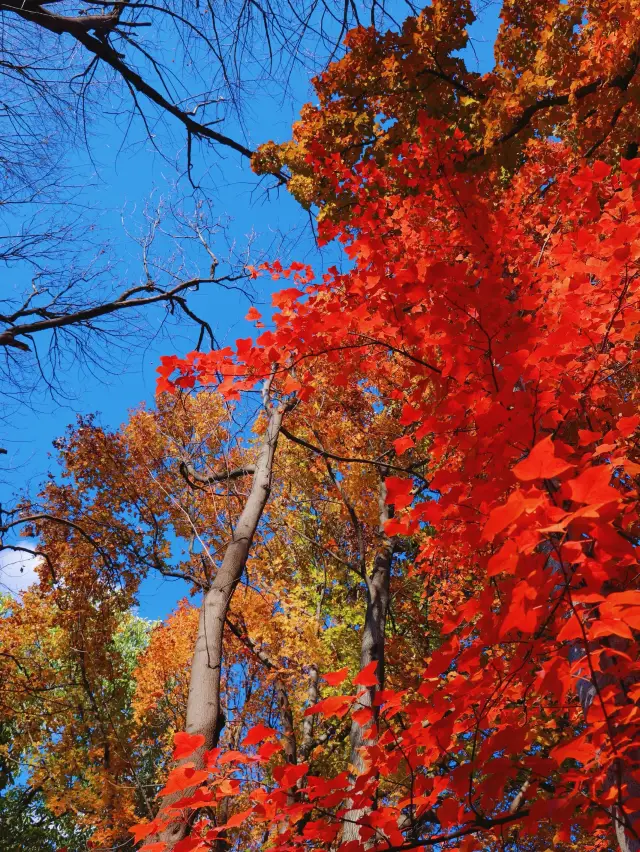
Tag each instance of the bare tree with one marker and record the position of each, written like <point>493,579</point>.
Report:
<point>131,50</point>
<point>156,65</point>
<point>77,304</point>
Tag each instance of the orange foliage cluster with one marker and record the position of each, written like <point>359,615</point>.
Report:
<point>562,69</point>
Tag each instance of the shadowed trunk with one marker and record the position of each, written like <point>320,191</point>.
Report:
<point>313,694</point>
<point>286,716</point>
<point>626,841</point>
<point>371,649</point>
<point>621,774</point>
<point>203,708</point>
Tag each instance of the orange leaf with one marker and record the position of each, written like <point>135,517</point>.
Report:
<point>288,775</point>
<point>257,734</point>
<point>267,750</point>
<point>336,678</point>
<point>577,749</point>
<point>362,716</point>
<point>541,463</point>
<point>403,444</point>
<point>628,598</point>
<point>284,298</point>
<point>504,561</point>
<point>628,425</point>
<point>503,516</point>
<point>234,757</point>
<point>227,787</point>
<point>587,436</point>
<point>399,491</point>
<point>611,627</point>
<point>291,385</point>
<point>142,830</point>
<point>239,818</point>
<point>592,486</point>
<point>200,798</point>
<point>600,170</point>
<point>186,744</point>
<point>367,676</point>
<point>336,706</point>
<point>571,629</point>
<point>190,844</point>
<point>183,777</point>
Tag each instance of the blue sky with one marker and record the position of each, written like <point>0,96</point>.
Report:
<point>122,173</point>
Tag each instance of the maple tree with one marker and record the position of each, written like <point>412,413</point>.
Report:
<point>534,541</point>
<point>506,315</point>
<point>66,658</point>
<point>563,69</point>
<point>289,656</point>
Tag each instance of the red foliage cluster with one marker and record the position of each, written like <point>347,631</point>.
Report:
<point>508,317</point>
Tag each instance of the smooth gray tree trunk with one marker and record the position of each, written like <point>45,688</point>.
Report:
<point>203,707</point>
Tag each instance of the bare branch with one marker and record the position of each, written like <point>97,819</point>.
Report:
<point>192,476</point>
<point>325,454</point>
<point>127,300</point>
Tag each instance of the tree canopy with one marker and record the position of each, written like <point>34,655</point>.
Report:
<point>406,507</point>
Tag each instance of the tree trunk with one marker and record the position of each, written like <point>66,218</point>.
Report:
<point>626,841</point>
<point>372,648</point>
<point>587,689</point>
<point>620,774</point>
<point>290,747</point>
<point>203,708</point>
<point>313,696</point>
